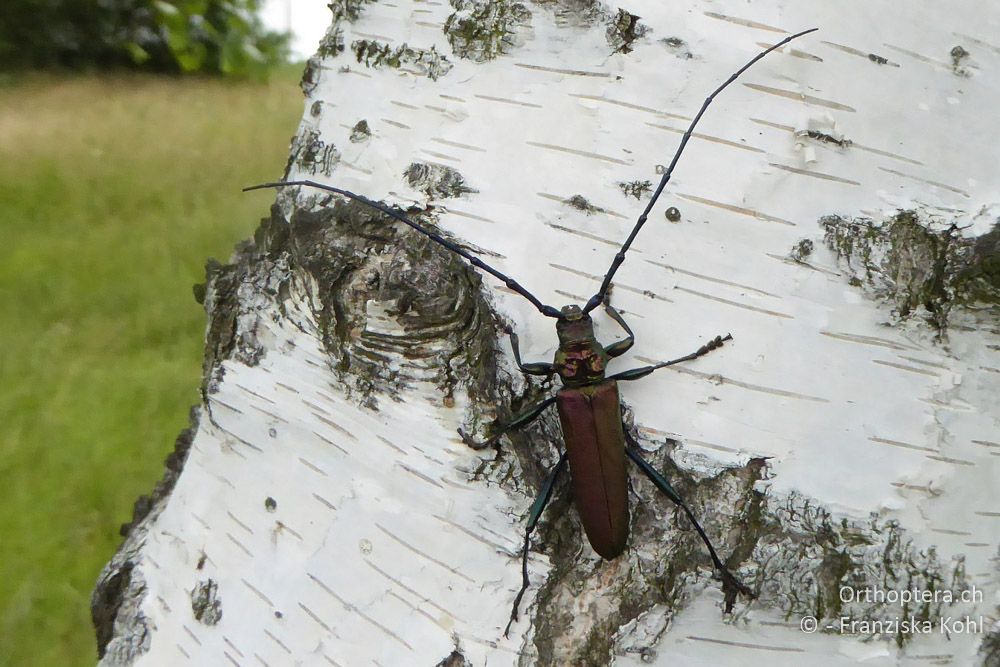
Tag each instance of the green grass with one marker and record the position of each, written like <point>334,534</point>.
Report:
<point>113,192</point>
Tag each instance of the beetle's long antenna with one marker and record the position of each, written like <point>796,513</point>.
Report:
<point>548,311</point>
<point>598,298</point>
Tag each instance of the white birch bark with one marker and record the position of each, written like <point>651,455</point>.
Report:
<point>327,512</point>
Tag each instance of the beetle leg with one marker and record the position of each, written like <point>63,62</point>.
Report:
<point>534,368</point>
<point>622,346</point>
<point>643,371</point>
<point>525,417</point>
<point>536,511</point>
<point>731,586</point>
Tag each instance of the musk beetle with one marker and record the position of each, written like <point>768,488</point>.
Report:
<point>588,403</point>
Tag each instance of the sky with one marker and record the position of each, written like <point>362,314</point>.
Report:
<point>307,20</point>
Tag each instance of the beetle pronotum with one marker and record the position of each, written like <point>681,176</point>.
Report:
<point>588,403</point>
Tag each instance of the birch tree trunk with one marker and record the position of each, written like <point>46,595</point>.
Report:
<point>836,212</point>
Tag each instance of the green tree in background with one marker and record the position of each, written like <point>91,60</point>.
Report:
<point>211,36</point>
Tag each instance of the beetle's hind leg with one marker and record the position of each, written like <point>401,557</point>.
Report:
<point>731,586</point>
<point>536,511</point>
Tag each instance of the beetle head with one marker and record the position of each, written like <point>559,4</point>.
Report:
<point>574,325</point>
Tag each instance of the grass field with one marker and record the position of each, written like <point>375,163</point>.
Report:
<point>113,192</point>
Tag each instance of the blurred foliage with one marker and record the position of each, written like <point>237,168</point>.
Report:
<point>113,191</point>
<point>211,36</point>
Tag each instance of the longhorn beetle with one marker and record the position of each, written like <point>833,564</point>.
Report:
<point>588,403</point>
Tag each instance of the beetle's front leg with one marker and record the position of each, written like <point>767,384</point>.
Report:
<point>731,586</point>
<point>533,368</point>
<point>522,419</point>
<point>620,347</point>
<point>643,371</point>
